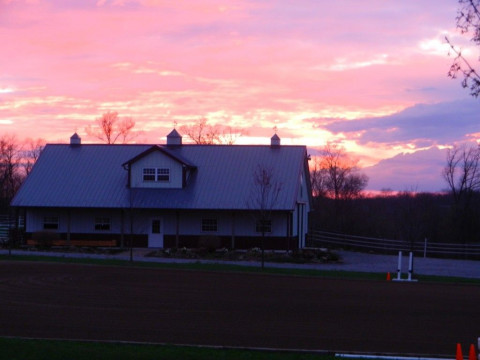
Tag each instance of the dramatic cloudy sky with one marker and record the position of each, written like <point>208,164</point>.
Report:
<point>370,75</point>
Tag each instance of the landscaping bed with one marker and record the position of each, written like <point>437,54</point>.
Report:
<point>299,256</point>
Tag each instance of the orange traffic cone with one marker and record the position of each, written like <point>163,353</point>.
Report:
<point>459,352</point>
<point>388,276</point>
<point>471,353</point>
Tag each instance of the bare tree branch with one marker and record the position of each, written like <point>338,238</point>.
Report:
<point>462,174</point>
<point>203,133</point>
<point>31,153</point>
<point>110,128</point>
<point>335,175</point>
<point>460,65</point>
<point>10,160</point>
<point>462,171</point>
<point>263,199</point>
<point>468,21</point>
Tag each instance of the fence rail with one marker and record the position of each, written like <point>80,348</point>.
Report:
<point>420,248</point>
<point>7,223</point>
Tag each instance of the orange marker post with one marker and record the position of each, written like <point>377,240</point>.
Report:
<point>471,353</point>
<point>459,352</point>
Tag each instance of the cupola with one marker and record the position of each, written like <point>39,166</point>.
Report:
<point>75,140</point>
<point>275,141</point>
<point>174,138</point>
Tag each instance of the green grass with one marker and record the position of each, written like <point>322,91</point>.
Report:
<point>336,274</point>
<point>13,348</point>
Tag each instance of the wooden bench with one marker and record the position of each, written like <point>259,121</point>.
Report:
<point>92,243</point>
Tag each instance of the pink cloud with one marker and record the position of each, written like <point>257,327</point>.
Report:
<point>240,62</point>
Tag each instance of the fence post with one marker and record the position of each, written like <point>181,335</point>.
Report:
<point>399,267</point>
<point>410,266</point>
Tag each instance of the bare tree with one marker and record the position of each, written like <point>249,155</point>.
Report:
<point>263,199</point>
<point>203,133</point>
<point>335,175</point>
<point>318,180</point>
<point>31,153</point>
<point>462,174</point>
<point>336,181</point>
<point>110,128</point>
<point>10,174</point>
<point>462,171</point>
<point>230,135</point>
<point>468,21</point>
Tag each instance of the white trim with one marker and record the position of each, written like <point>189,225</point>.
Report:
<point>387,357</point>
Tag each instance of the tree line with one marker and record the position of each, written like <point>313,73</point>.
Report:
<point>453,216</point>
<point>16,162</point>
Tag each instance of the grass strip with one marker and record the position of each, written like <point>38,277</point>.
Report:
<point>336,274</point>
<point>15,348</point>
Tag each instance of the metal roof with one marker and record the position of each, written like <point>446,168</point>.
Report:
<point>92,176</point>
<point>162,149</point>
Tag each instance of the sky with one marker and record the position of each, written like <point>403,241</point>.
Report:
<point>368,75</point>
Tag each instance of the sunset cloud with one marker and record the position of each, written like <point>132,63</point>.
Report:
<point>370,76</point>
<point>425,125</point>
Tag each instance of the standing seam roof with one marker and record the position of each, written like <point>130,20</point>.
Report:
<point>92,176</point>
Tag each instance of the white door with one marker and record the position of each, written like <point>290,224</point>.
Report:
<point>155,235</point>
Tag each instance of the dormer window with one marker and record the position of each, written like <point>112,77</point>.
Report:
<point>159,168</point>
<point>156,174</point>
<point>163,174</point>
<point>148,174</point>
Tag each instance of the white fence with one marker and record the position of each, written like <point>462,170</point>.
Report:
<point>420,248</point>
<point>6,224</point>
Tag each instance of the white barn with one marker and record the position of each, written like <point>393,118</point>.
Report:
<point>168,195</point>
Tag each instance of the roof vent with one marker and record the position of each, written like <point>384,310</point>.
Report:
<point>174,138</point>
<point>75,140</point>
<point>275,141</point>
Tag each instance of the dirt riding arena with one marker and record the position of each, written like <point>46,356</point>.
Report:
<point>47,300</point>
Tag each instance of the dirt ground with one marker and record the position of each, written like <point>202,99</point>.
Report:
<point>48,300</point>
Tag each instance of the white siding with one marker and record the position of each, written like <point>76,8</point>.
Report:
<point>238,224</point>
<point>34,219</point>
<point>142,221</point>
<point>156,160</point>
<point>302,208</point>
<point>81,221</point>
<point>245,225</point>
<point>241,224</point>
<point>190,223</point>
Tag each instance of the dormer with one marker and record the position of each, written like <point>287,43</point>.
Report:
<point>158,168</point>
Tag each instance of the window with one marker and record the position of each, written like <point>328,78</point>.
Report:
<point>209,225</point>
<point>155,226</point>
<point>263,226</point>
<point>160,175</point>
<point>148,174</point>
<point>163,174</point>
<point>50,222</point>
<point>102,223</point>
